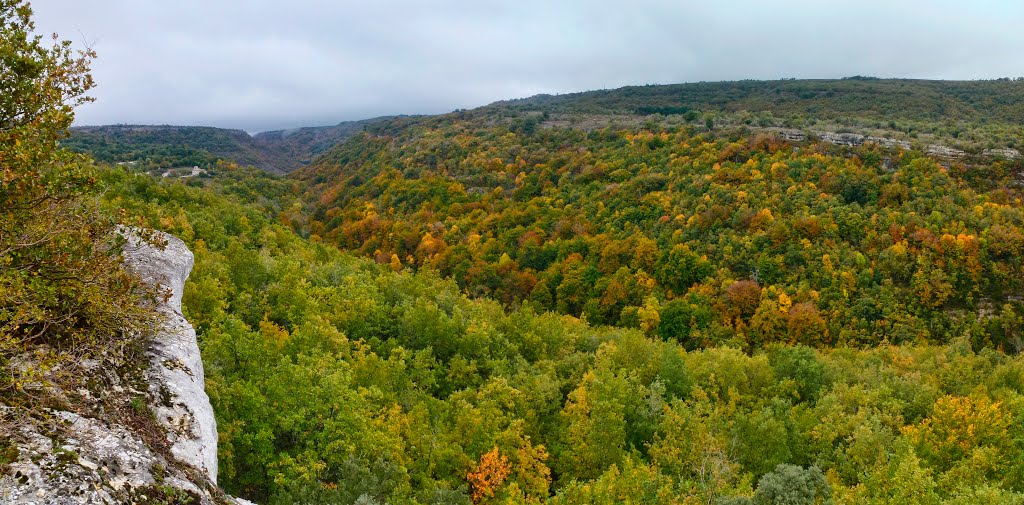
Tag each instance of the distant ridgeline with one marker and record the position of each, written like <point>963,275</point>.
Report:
<point>997,101</point>
<point>972,117</point>
<point>967,115</point>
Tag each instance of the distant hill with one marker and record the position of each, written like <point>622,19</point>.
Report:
<point>168,146</point>
<point>300,145</point>
<point>879,99</point>
<point>965,114</point>
<point>172,146</point>
<point>971,115</point>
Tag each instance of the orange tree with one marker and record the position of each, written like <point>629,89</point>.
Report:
<point>488,475</point>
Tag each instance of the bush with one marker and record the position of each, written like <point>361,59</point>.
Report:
<point>64,292</point>
<point>793,485</point>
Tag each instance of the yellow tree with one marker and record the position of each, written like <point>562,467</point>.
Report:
<point>966,437</point>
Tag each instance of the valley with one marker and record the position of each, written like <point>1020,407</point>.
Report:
<point>506,306</point>
<point>757,292</point>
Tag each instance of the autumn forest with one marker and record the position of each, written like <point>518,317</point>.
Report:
<point>644,295</point>
<point>478,313</point>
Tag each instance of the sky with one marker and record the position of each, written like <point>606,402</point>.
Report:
<point>259,65</point>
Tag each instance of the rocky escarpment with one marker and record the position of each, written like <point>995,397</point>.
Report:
<point>76,458</point>
<point>175,375</point>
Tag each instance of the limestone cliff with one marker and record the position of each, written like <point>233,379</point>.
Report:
<point>76,458</point>
<point>175,373</point>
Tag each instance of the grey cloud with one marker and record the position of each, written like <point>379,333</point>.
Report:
<point>263,65</point>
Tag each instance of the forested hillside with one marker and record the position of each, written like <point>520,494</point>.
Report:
<point>336,380</point>
<point>301,145</point>
<point>162,147</point>
<point>998,101</point>
<point>671,306</point>
<point>969,114</point>
<point>705,238</point>
<point>632,296</point>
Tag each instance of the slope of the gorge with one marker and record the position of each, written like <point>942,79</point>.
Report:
<point>997,100</point>
<point>967,115</point>
<point>83,457</point>
<point>336,380</point>
<point>301,145</point>
<point>735,237</point>
<point>174,146</point>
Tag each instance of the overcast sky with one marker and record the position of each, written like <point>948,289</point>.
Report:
<point>260,65</point>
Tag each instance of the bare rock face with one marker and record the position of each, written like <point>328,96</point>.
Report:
<point>95,462</point>
<point>72,458</point>
<point>176,369</point>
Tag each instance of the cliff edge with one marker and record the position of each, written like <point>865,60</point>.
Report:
<point>98,457</point>
<point>175,373</point>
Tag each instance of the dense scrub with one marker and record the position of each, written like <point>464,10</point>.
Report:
<point>64,294</point>
<point>335,379</point>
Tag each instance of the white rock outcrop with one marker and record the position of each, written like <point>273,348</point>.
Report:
<point>175,373</point>
<point>76,459</point>
<point>93,462</point>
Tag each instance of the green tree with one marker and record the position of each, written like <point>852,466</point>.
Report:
<point>597,414</point>
<point>793,485</point>
<point>799,364</point>
<point>680,268</point>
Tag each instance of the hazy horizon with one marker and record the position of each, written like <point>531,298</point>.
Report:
<point>264,67</point>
